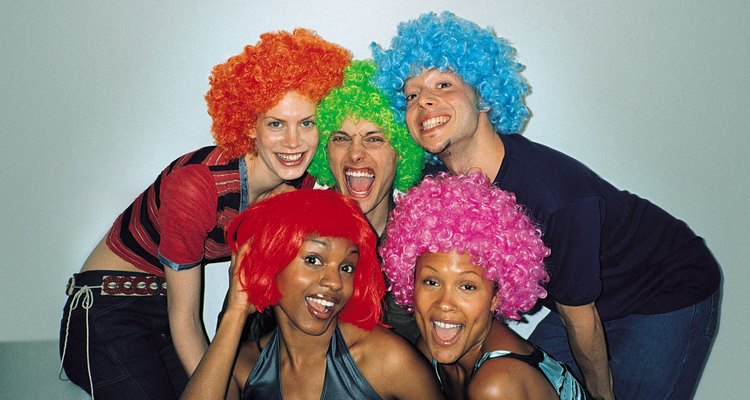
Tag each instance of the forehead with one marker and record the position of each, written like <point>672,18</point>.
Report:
<point>430,75</point>
<point>329,242</point>
<point>292,104</point>
<point>352,125</point>
<point>449,263</point>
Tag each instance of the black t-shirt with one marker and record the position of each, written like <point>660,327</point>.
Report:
<point>608,245</point>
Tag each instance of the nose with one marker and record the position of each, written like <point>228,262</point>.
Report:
<point>426,99</point>
<point>357,149</point>
<point>331,278</point>
<point>291,138</point>
<point>445,300</point>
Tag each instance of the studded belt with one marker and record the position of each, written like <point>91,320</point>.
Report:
<point>123,285</point>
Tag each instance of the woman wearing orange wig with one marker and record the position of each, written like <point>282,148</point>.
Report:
<point>119,339</point>
<point>308,259</point>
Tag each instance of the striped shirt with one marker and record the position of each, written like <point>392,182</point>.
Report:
<point>180,220</point>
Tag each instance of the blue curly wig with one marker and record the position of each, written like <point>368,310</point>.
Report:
<point>358,97</point>
<point>446,42</point>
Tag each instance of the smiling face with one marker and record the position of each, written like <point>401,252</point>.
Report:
<point>286,136</point>
<point>453,305</point>
<point>317,284</point>
<point>363,164</point>
<point>441,111</point>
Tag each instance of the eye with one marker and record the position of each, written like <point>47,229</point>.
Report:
<point>308,123</point>
<point>444,85</point>
<point>373,142</point>
<point>340,138</point>
<point>468,286</point>
<point>347,268</point>
<point>275,124</point>
<point>313,260</point>
<point>410,97</point>
<point>429,282</point>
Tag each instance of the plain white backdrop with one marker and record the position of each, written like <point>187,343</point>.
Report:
<point>99,96</point>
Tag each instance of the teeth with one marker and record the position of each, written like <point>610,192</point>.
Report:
<point>445,325</point>
<point>360,174</point>
<point>433,122</point>
<point>324,303</point>
<point>289,157</point>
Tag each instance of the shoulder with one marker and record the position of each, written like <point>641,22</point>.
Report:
<point>248,356</point>
<point>408,373</point>
<point>508,378</point>
<point>381,343</point>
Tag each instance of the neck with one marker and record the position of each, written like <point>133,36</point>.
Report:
<point>262,178</point>
<point>378,216</point>
<point>300,349</point>
<point>484,152</point>
<point>469,359</point>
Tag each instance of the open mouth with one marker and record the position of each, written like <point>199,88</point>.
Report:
<point>290,159</point>
<point>434,122</point>
<point>319,307</point>
<point>359,181</point>
<point>445,332</point>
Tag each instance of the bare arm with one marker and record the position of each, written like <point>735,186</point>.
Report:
<point>212,377</point>
<point>185,323</point>
<point>587,342</point>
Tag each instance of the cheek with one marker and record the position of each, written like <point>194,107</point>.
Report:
<point>312,138</point>
<point>335,158</point>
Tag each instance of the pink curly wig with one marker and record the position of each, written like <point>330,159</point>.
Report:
<point>464,213</point>
<point>274,230</point>
<point>255,80</point>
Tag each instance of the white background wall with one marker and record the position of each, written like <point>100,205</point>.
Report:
<point>98,96</point>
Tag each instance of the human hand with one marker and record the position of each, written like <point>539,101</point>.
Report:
<point>282,188</point>
<point>237,296</point>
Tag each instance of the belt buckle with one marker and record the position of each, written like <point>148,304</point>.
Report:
<point>71,285</point>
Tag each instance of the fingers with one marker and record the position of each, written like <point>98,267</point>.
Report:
<point>282,188</point>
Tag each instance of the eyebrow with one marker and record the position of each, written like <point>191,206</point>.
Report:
<point>368,133</point>
<point>460,273</point>
<point>320,242</point>
<point>325,244</point>
<point>311,116</point>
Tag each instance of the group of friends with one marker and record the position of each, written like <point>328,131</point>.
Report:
<point>384,218</point>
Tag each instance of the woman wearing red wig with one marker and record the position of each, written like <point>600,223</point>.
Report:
<point>119,339</point>
<point>308,258</point>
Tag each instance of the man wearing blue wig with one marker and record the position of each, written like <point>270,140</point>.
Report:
<point>634,291</point>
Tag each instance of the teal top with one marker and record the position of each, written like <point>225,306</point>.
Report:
<point>343,379</point>
<point>558,374</point>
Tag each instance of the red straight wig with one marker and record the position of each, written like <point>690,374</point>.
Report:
<point>274,230</point>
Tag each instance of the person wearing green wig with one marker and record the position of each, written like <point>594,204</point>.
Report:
<point>364,154</point>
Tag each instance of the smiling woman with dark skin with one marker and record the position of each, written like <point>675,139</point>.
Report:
<point>462,255</point>
<point>308,256</point>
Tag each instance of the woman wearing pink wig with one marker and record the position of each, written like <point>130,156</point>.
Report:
<point>462,256</point>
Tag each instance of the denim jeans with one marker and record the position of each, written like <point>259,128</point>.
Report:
<point>657,356</point>
<point>129,344</point>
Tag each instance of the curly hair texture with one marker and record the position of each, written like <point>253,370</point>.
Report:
<point>255,80</point>
<point>275,229</point>
<point>446,42</point>
<point>359,98</point>
<point>464,213</point>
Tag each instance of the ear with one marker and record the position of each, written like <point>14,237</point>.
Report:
<point>251,133</point>
<point>482,106</point>
<point>493,308</point>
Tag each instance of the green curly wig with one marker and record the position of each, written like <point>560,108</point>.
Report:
<point>359,98</point>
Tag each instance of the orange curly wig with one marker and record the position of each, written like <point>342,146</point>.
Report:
<point>255,80</point>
